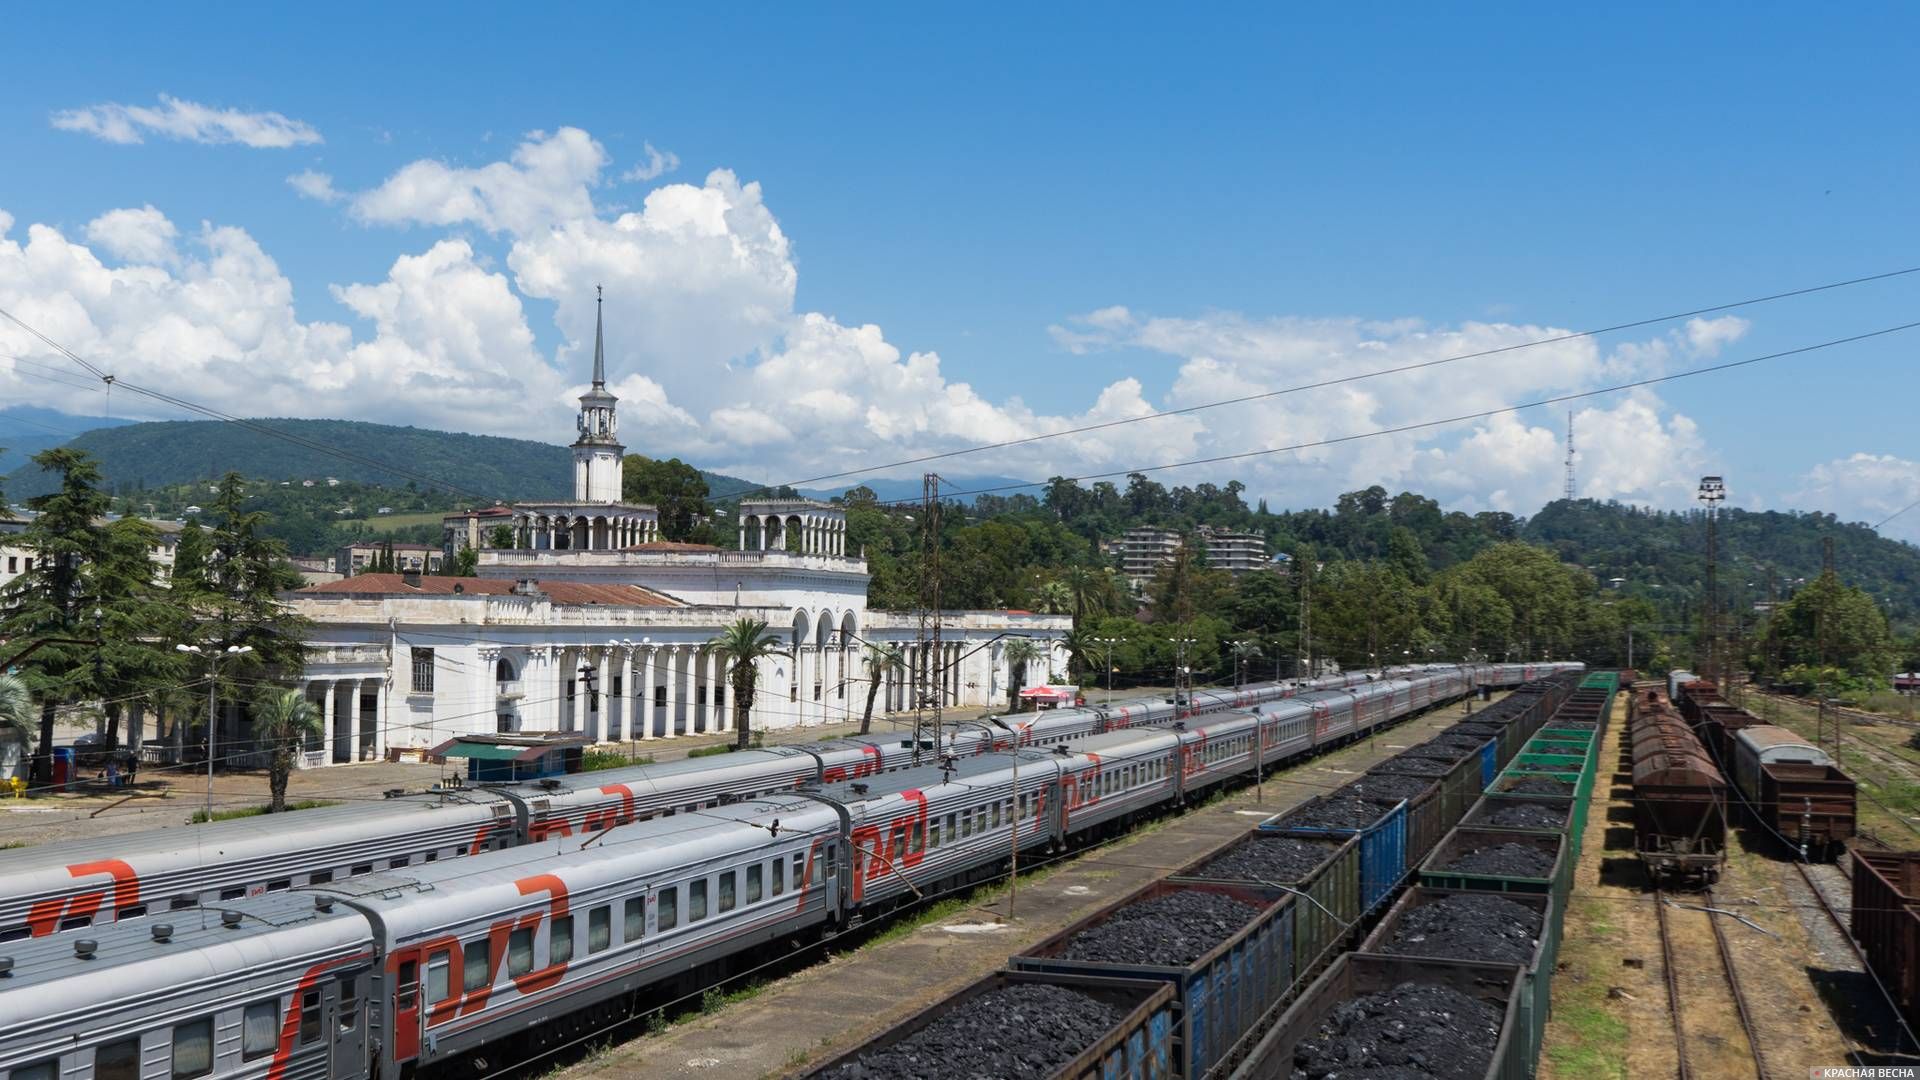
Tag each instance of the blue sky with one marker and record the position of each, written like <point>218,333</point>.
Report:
<point>1269,193</point>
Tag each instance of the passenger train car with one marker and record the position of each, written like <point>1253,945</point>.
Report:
<point>403,966</point>
<point>79,884</point>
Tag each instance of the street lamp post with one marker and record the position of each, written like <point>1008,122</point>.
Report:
<point>213,655</point>
<point>1180,647</point>
<point>1109,643</point>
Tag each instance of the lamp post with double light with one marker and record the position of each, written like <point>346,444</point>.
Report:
<point>214,653</point>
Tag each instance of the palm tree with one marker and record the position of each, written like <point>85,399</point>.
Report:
<point>880,659</point>
<point>1089,587</point>
<point>742,644</point>
<point>283,720</point>
<point>1020,653</point>
<point>1082,650</point>
<point>1053,598</point>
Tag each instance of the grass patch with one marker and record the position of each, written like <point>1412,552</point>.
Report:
<point>709,751</point>
<point>11,844</point>
<point>716,999</point>
<point>1594,1048</point>
<point>596,760</point>
<point>200,816</point>
<point>386,523</point>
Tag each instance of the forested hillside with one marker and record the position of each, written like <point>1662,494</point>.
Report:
<point>164,453</point>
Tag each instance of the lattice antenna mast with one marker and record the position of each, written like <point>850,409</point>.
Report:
<point>930,693</point>
<point>1569,490</point>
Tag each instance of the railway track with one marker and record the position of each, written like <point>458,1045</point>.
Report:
<point>1829,895</point>
<point>1707,997</point>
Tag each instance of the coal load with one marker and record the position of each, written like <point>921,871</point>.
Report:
<point>1470,728</point>
<point>1279,859</point>
<point>1438,751</point>
<point>1170,930</point>
<point>1469,742</point>
<point>1544,766</point>
<point>1469,926</point>
<point>1388,789</point>
<point>1567,748</point>
<point>1412,1031</point>
<point>1527,815</point>
<point>1504,860</point>
<point>1539,785</point>
<point>1335,812</point>
<point>1575,725</point>
<point>1022,1029</point>
<point>1413,766</point>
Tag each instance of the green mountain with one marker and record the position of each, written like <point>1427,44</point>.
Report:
<point>165,453</point>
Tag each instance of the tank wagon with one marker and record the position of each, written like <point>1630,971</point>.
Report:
<point>1679,796</point>
<point>379,972</point>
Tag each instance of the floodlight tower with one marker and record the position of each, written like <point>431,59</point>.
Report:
<point>1713,491</point>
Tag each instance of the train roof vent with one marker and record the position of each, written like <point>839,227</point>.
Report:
<point>323,902</point>
<point>163,932</point>
<point>6,966</point>
<point>860,789</point>
<point>230,919</point>
<point>85,948</point>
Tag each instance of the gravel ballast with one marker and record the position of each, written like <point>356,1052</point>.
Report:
<point>1504,860</point>
<point>1172,930</point>
<point>1527,815</point>
<point>1468,927</point>
<point>1019,1030</point>
<point>1413,1030</point>
<point>1538,785</point>
<point>1279,859</point>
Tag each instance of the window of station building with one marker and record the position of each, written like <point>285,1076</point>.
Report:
<point>599,928</point>
<point>753,883</point>
<point>193,1048</point>
<point>422,670</point>
<point>667,908</point>
<point>696,901</point>
<point>560,940</point>
<point>636,919</point>
<point>118,1060</point>
<point>474,968</point>
<point>520,952</point>
<point>259,1029</point>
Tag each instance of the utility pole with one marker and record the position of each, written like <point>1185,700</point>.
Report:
<point>1712,491</point>
<point>1773,629</point>
<point>1569,487</point>
<point>929,638</point>
<point>1305,570</point>
<point>1180,701</point>
<point>1109,643</point>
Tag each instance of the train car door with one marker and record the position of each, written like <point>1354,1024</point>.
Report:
<point>346,1016</point>
<point>406,1007</point>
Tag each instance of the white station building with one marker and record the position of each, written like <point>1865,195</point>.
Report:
<point>592,623</point>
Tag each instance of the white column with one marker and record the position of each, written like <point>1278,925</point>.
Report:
<point>646,692</point>
<point>326,738</point>
<point>716,717</point>
<point>670,678</point>
<point>683,685</point>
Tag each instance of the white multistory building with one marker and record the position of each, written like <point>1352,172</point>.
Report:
<point>592,623</point>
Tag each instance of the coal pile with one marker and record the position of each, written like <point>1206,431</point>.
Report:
<point>1172,930</point>
<point>1412,766</point>
<point>1468,742</point>
<point>1504,860</point>
<point>1023,1029</point>
<point>1385,789</point>
<point>1575,725</point>
<point>1335,812</point>
<point>1279,859</point>
<point>1411,1031</point>
<point>1539,785</point>
<point>1527,815</point>
<point>1574,749</point>
<point>1543,766</point>
<point>1439,751</point>
<point>1469,926</point>
<point>1468,727</point>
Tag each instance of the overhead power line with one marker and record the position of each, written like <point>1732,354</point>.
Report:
<point>1443,422</point>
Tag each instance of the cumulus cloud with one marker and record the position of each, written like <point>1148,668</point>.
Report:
<point>1865,487</point>
<point>659,163</point>
<point>317,186</point>
<point>186,121</point>
<point>715,362</point>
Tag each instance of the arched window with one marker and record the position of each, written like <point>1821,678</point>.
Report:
<point>503,670</point>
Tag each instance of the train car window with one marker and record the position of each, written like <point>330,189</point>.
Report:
<point>952,826</point>
<point>193,1048</point>
<point>437,991</point>
<point>560,940</point>
<point>475,970</point>
<point>118,1060</point>
<point>433,856</point>
<point>280,885</point>
<point>131,912</point>
<point>726,891</point>
<point>779,876</point>
<point>260,1029</point>
<point>180,903</point>
<point>966,824</point>
<point>832,860</point>
<point>754,873</point>
<point>75,922</point>
<point>996,816</point>
<point>917,838</point>
<point>933,834</point>
<point>667,908</point>
<point>396,862</point>
<point>520,952</point>
<point>320,877</point>
<point>696,900</point>
<point>636,919</point>
<point>39,1070</point>
<point>310,1011</point>
<point>234,893</point>
<point>348,996</point>
<point>599,928</point>
<point>363,868</point>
